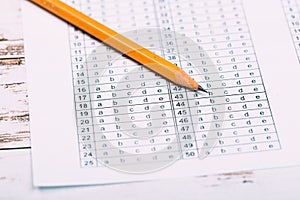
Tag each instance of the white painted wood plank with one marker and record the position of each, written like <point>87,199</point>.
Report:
<point>10,20</point>
<point>15,183</point>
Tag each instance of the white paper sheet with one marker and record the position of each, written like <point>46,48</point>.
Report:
<point>97,117</point>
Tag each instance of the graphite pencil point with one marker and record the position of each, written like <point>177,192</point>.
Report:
<point>201,89</point>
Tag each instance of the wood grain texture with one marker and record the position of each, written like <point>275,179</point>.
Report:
<point>14,115</point>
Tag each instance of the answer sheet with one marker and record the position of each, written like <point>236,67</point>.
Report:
<point>99,117</point>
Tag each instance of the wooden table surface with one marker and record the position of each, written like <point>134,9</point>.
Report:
<point>14,117</point>
<point>15,163</point>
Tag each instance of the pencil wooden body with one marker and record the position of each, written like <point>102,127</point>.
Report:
<point>119,42</point>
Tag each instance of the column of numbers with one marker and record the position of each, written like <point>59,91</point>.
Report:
<point>82,96</point>
<point>171,47</point>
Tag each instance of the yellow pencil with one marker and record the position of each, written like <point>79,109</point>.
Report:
<point>120,43</point>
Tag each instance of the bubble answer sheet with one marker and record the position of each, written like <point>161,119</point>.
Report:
<point>98,117</point>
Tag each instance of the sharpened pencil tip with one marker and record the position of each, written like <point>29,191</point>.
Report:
<point>201,89</point>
